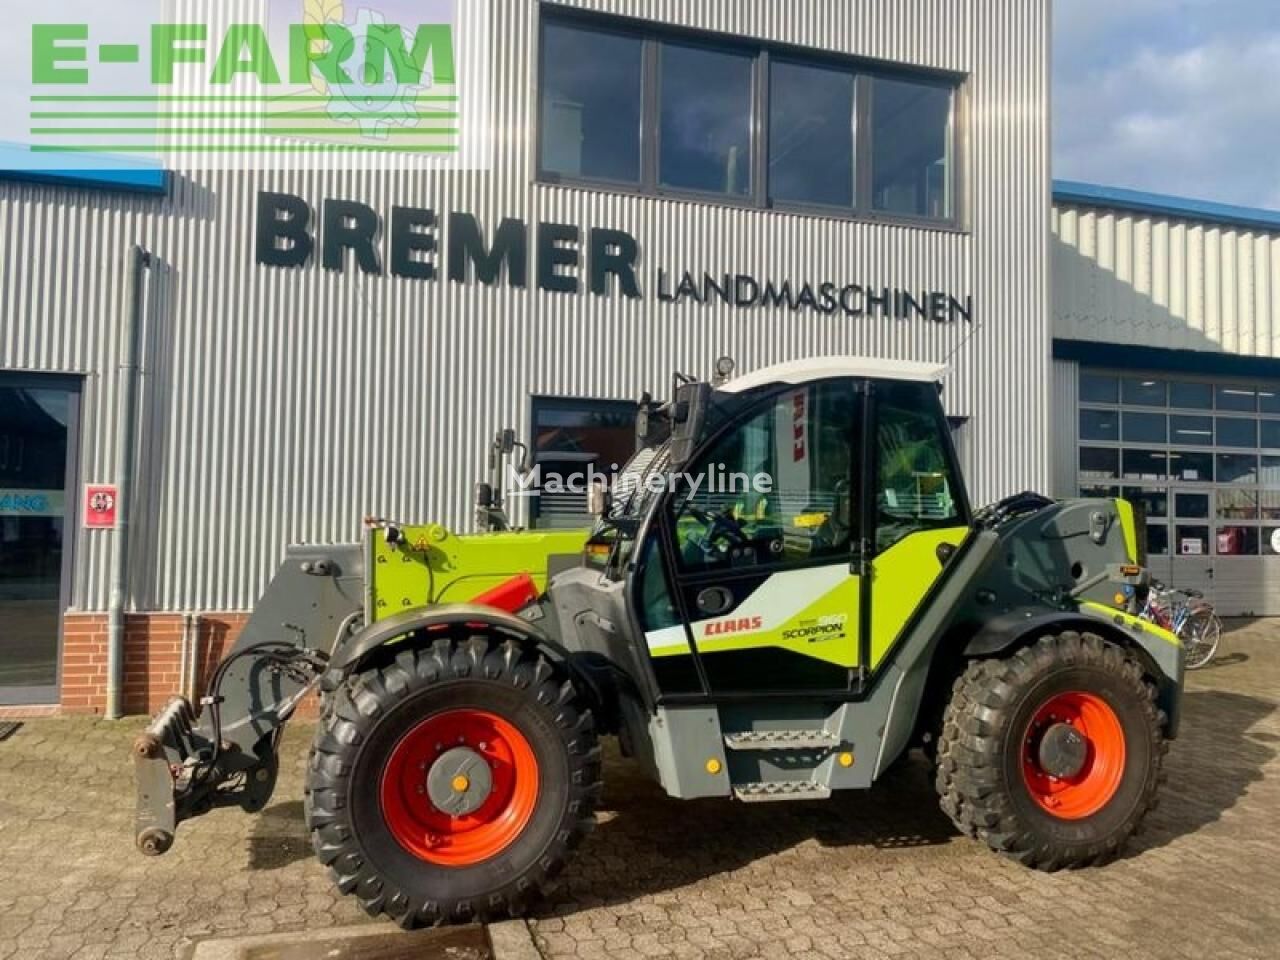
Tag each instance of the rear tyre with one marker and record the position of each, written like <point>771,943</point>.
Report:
<point>453,783</point>
<point>1052,756</point>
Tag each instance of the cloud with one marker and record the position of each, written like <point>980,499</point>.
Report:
<point>1179,98</point>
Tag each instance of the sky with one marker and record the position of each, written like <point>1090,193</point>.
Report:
<point>1170,96</point>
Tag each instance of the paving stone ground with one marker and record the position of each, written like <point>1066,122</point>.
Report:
<point>875,875</point>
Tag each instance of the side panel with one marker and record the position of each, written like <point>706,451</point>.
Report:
<point>901,578</point>
<point>431,565</point>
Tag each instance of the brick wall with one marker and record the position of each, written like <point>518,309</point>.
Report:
<point>152,658</point>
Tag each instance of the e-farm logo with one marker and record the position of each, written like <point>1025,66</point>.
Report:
<point>308,78</point>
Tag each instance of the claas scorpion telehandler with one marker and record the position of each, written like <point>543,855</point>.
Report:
<point>783,591</point>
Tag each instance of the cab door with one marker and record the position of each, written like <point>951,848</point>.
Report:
<point>918,507</point>
<point>760,531</point>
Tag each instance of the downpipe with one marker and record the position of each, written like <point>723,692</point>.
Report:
<point>140,261</point>
<point>189,663</point>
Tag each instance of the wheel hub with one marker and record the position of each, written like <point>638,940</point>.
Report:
<point>459,782</point>
<point>1073,754</point>
<point>1063,751</point>
<point>459,787</point>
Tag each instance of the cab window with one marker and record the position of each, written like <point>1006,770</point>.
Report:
<point>778,488</point>
<point>916,487</point>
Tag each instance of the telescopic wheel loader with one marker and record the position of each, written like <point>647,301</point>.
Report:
<point>785,590</point>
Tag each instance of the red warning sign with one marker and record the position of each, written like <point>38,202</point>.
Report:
<point>100,506</point>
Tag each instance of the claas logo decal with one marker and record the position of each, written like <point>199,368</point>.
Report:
<point>740,625</point>
<point>800,422</point>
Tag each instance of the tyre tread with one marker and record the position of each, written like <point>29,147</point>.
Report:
<point>968,779</point>
<point>353,710</point>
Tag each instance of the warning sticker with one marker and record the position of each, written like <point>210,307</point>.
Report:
<point>100,506</point>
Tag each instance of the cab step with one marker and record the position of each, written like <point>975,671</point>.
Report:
<point>765,792</point>
<point>781,740</point>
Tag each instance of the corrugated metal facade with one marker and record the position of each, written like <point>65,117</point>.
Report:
<point>1161,281</point>
<point>282,406</point>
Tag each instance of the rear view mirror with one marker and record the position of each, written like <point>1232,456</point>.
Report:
<point>598,500</point>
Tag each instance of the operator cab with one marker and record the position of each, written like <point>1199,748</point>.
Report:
<point>778,530</point>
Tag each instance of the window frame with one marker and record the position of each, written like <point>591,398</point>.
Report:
<point>654,35</point>
<point>541,403</point>
<point>653,101</point>
<point>960,492</point>
<point>646,79</point>
<point>856,115</point>
<point>864,199</point>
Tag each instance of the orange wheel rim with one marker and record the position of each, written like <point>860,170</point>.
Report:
<point>424,791</point>
<point>1085,789</point>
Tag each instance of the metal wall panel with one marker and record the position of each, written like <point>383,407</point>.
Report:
<point>1063,427</point>
<point>282,406</point>
<point>1158,281</point>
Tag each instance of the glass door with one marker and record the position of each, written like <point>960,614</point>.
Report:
<point>37,422</point>
<point>1193,541</point>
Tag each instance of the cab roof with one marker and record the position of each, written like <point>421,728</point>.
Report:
<point>825,368</point>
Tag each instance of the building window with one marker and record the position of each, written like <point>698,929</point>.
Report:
<point>1237,399</point>
<point>1190,466</point>
<point>1270,475</point>
<point>591,88</point>
<point>1237,468</point>
<point>641,108</point>
<point>1097,388</point>
<point>705,120</point>
<point>1145,465</point>
<point>911,148</point>
<point>1098,464</point>
<point>1145,427</point>
<point>1198,447</point>
<point>811,118</point>
<point>572,437</point>
<point>1099,425</point>
<point>1144,392</point>
<point>1237,432</point>
<point>1270,433</point>
<point>1192,506</point>
<point>1191,396</point>
<point>1193,431</point>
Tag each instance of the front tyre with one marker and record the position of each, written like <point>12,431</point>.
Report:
<point>1052,756</point>
<point>453,783</point>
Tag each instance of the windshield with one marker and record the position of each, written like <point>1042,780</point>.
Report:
<point>647,474</point>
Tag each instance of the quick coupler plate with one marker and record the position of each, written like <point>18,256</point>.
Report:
<point>158,754</point>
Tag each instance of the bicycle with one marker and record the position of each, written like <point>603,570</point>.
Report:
<point>1187,615</point>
